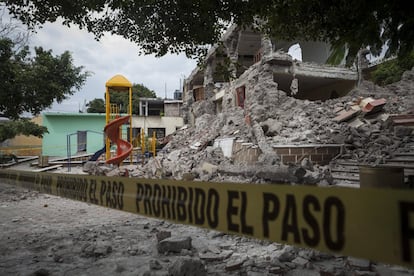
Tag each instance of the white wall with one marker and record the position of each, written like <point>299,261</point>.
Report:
<point>169,123</point>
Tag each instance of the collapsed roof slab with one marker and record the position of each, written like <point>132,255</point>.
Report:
<point>315,82</point>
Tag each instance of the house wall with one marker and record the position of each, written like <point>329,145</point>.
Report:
<point>169,123</point>
<point>172,109</point>
<point>61,124</point>
<point>318,154</point>
<point>24,145</point>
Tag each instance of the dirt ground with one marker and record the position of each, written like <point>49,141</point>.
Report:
<point>47,235</point>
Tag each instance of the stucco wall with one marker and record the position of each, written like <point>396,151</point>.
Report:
<point>61,124</point>
<point>169,123</point>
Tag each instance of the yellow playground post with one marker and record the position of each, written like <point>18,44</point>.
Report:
<point>117,83</point>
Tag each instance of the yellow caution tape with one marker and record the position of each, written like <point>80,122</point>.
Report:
<point>374,224</point>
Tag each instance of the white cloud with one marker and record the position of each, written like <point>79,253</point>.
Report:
<point>110,56</point>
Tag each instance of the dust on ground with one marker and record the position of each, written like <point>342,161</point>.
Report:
<point>48,235</point>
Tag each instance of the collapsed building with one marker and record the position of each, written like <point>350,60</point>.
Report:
<point>254,113</point>
<point>235,68</point>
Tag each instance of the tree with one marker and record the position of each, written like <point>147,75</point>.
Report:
<point>141,91</point>
<point>10,129</point>
<point>96,106</point>
<point>392,70</point>
<point>189,25</point>
<point>31,84</point>
<point>12,30</point>
<point>121,99</point>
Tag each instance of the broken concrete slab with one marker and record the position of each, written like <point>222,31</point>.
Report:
<point>212,257</point>
<point>360,264</point>
<point>174,244</point>
<point>162,235</point>
<point>187,267</point>
<point>300,261</point>
<point>235,263</point>
<point>271,127</point>
<point>355,123</point>
<point>403,131</point>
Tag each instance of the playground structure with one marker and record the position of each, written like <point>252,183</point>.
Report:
<point>113,127</point>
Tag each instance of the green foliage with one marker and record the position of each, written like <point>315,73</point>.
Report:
<point>121,99</point>
<point>31,84</point>
<point>10,129</point>
<point>223,70</point>
<point>188,26</point>
<point>140,91</point>
<point>337,55</point>
<point>392,70</point>
<point>96,106</point>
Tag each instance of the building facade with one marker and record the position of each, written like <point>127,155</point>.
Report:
<point>83,132</point>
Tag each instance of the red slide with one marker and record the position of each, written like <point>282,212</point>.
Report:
<point>123,148</point>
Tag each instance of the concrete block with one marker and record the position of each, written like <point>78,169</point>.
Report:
<point>360,264</point>
<point>209,168</point>
<point>300,261</point>
<point>212,257</point>
<point>174,245</point>
<point>187,266</point>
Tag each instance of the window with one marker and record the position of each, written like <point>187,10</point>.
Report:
<point>240,96</point>
<point>81,140</point>
<point>159,132</point>
<point>155,112</point>
<point>199,94</point>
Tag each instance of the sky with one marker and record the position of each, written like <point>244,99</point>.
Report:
<point>110,56</point>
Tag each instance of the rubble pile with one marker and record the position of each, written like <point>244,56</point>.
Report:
<point>360,121</point>
<point>276,119</point>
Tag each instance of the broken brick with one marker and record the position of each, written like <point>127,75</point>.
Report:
<point>345,116</point>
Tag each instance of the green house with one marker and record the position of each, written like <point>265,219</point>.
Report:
<point>72,133</point>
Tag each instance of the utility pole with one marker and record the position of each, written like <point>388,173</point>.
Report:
<point>165,90</point>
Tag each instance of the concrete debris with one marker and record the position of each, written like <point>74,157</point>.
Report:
<point>213,257</point>
<point>162,235</point>
<point>300,261</point>
<point>374,106</point>
<point>105,241</point>
<point>174,245</point>
<point>94,168</point>
<point>235,263</point>
<point>344,116</point>
<point>98,249</point>
<point>360,264</point>
<point>187,267</point>
<point>205,151</point>
<point>155,265</point>
<point>360,123</point>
